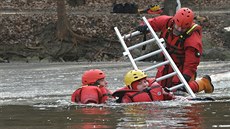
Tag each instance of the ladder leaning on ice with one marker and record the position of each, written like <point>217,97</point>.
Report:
<point>159,42</point>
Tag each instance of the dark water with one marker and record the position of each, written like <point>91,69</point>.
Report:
<point>147,115</point>
<point>37,96</point>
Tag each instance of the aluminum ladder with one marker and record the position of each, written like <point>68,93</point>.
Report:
<point>160,44</point>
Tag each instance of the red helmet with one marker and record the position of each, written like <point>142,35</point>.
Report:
<point>184,18</point>
<point>91,76</point>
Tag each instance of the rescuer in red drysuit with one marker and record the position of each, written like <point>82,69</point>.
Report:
<point>94,88</point>
<point>183,40</point>
<point>139,88</point>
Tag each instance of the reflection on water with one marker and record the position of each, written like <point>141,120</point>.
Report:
<point>37,96</point>
<point>93,117</point>
<point>145,115</point>
<point>150,116</point>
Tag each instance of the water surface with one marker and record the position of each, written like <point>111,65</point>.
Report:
<point>37,96</point>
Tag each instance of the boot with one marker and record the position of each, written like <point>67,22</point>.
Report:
<point>205,84</point>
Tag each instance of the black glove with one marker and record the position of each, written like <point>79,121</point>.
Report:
<point>147,89</point>
<point>166,89</point>
<point>142,28</point>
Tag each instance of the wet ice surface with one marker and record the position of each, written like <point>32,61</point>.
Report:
<point>34,83</point>
<point>32,94</point>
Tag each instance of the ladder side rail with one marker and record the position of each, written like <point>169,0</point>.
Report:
<point>156,65</point>
<point>147,55</point>
<point>166,76</point>
<point>126,48</point>
<point>159,42</point>
<point>141,44</point>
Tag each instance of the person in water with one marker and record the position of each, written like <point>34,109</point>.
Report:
<point>93,89</point>
<point>140,88</point>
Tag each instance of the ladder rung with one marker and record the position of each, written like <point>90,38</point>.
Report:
<point>141,44</point>
<point>176,87</point>
<point>126,36</point>
<point>126,53</point>
<point>147,55</point>
<point>157,65</point>
<point>166,76</point>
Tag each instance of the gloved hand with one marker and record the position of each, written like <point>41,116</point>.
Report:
<point>147,89</point>
<point>142,28</point>
<point>166,89</point>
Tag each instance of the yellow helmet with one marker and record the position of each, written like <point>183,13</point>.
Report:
<point>133,75</point>
<point>155,8</point>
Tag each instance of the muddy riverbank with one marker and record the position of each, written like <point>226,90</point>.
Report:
<point>28,31</point>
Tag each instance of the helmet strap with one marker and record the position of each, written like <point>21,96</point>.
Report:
<point>96,84</point>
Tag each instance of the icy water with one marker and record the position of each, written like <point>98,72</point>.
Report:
<point>37,96</point>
